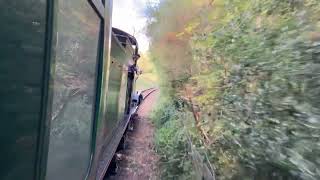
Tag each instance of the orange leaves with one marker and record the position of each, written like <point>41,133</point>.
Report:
<point>171,37</point>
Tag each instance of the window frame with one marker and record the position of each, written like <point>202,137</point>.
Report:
<point>98,6</point>
<point>43,150</point>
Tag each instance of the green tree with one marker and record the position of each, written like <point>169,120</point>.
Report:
<point>254,74</point>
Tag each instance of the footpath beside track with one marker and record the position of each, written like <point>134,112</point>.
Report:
<point>139,161</point>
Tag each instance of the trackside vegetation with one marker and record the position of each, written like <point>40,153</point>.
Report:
<point>242,85</point>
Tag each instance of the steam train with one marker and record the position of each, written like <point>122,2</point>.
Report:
<point>67,79</point>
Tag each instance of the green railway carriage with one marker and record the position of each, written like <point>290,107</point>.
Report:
<point>66,82</point>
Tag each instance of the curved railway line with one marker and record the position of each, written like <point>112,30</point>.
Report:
<point>145,93</point>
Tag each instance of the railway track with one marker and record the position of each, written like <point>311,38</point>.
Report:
<point>145,93</point>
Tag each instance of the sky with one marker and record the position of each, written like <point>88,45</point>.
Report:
<point>128,16</point>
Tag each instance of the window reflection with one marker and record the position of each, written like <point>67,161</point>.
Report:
<point>74,78</point>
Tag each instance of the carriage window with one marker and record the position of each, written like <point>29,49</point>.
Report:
<point>75,64</point>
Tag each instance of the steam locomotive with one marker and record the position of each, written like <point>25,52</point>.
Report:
<point>67,79</point>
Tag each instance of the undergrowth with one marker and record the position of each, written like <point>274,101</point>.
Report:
<point>251,69</point>
<point>170,142</point>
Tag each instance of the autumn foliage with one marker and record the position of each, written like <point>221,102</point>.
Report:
<point>250,69</point>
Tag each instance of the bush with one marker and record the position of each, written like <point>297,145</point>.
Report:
<point>171,143</point>
<point>255,77</point>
